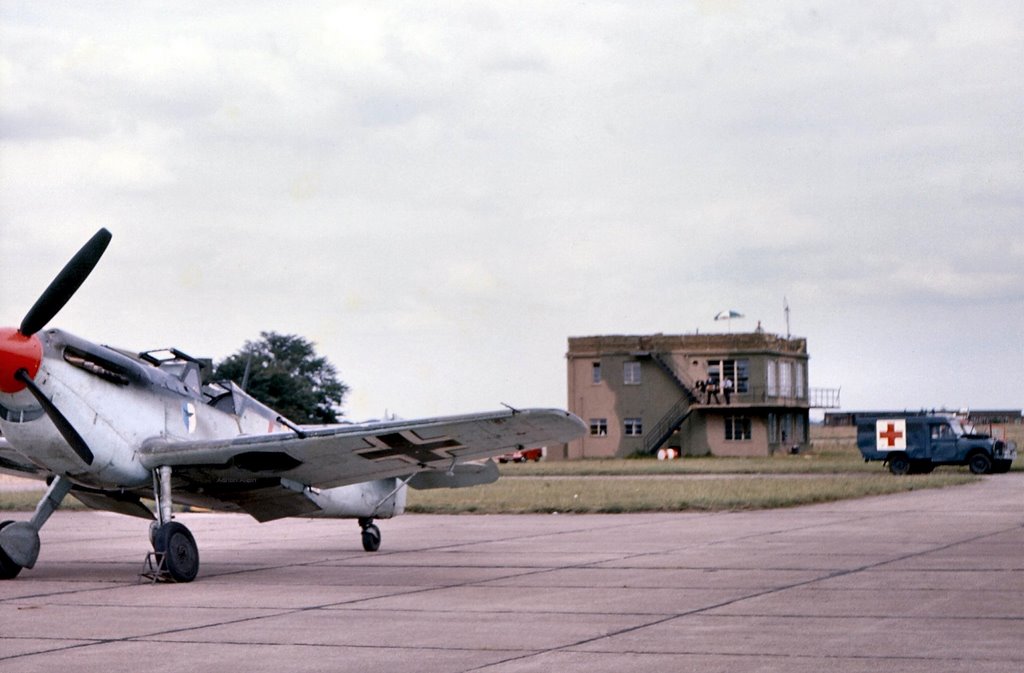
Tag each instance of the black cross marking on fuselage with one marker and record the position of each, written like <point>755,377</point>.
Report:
<point>400,446</point>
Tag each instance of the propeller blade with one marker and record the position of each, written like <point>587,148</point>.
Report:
<point>64,426</point>
<point>65,284</point>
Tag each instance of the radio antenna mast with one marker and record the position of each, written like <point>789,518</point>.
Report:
<point>785,309</point>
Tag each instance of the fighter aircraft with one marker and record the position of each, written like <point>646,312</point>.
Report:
<point>112,427</point>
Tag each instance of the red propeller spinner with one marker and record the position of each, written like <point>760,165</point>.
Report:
<point>18,352</point>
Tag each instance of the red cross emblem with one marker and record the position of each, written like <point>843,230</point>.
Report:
<point>891,434</point>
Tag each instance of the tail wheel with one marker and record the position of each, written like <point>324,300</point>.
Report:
<point>371,535</point>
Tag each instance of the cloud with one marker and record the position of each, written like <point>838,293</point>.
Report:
<point>409,180</point>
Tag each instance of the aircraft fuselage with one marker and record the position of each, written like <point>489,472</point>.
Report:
<point>116,403</point>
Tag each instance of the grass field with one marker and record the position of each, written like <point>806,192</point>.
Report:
<point>520,495</point>
<point>833,471</point>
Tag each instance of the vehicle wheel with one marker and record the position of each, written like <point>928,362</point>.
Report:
<point>371,537</point>
<point>979,463</point>
<point>899,464</point>
<point>8,568</point>
<point>177,548</point>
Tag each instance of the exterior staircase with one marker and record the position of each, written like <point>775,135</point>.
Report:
<point>676,415</point>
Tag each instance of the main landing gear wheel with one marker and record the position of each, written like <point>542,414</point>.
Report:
<point>176,551</point>
<point>371,535</point>
<point>8,568</point>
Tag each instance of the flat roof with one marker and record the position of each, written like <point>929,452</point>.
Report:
<point>749,342</point>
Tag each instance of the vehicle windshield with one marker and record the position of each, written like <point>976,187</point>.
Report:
<point>961,428</point>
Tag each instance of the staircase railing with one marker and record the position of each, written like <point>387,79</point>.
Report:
<point>668,424</point>
<point>671,371</point>
<point>676,415</point>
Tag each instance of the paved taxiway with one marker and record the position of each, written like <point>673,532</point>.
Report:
<point>923,581</point>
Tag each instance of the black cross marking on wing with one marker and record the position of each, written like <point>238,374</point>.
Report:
<point>418,450</point>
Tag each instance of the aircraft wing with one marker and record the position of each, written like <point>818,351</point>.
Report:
<point>329,456</point>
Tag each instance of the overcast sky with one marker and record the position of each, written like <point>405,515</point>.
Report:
<point>439,195</point>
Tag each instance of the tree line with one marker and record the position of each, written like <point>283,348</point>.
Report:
<point>285,372</point>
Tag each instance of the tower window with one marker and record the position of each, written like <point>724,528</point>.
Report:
<point>737,428</point>
<point>634,427</point>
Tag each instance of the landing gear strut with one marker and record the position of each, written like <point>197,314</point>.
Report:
<point>371,534</point>
<point>19,540</point>
<point>175,552</point>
